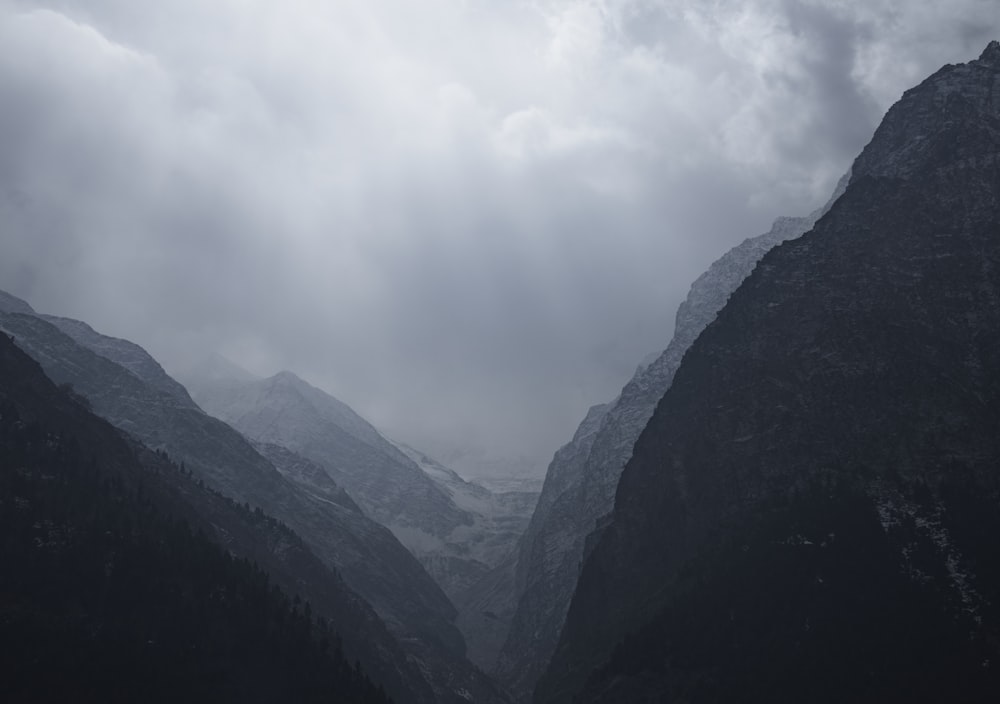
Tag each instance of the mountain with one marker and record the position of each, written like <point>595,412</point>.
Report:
<point>811,512</point>
<point>113,591</point>
<point>457,530</point>
<point>369,558</point>
<point>580,482</point>
<point>500,517</point>
<point>126,354</point>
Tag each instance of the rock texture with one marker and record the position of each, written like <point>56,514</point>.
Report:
<point>811,512</point>
<point>371,561</point>
<point>580,482</point>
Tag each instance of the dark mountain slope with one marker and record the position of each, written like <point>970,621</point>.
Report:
<point>581,479</point>
<point>811,514</point>
<point>405,597</point>
<point>110,593</point>
<point>512,617</point>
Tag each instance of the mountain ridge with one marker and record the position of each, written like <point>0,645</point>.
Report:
<point>406,597</point>
<point>807,514</point>
<point>581,480</point>
<point>450,525</point>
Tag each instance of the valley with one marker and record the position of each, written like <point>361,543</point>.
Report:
<point>797,499</point>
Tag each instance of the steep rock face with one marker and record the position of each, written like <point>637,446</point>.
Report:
<point>580,483</point>
<point>811,512</point>
<point>447,537</point>
<point>371,561</point>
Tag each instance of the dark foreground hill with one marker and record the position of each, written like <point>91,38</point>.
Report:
<point>125,386</point>
<point>111,590</point>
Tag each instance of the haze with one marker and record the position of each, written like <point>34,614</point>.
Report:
<point>469,220</point>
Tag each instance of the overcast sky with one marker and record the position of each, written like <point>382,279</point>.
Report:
<point>469,219</point>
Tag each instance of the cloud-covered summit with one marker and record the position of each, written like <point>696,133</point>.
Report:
<point>467,219</point>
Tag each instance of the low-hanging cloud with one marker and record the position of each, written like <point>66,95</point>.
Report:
<point>467,219</point>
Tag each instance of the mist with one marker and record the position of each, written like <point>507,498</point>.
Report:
<point>468,220</point>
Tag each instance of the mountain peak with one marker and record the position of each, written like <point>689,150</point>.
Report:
<point>287,377</point>
<point>704,506</point>
<point>991,54</point>
<point>957,99</point>
<point>13,304</point>
<point>287,381</point>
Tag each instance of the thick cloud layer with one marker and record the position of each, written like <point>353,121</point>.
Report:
<point>468,219</point>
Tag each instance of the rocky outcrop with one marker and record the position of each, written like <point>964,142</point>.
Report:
<point>810,514</point>
<point>580,483</point>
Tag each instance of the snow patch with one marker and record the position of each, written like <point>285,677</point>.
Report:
<point>894,511</point>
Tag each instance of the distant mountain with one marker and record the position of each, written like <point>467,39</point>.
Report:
<point>499,517</point>
<point>112,591</point>
<point>370,559</point>
<point>287,411</point>
<point>457,530</point>
<point>580,483</point>
<point>496,472</point>
<point>811,513</point>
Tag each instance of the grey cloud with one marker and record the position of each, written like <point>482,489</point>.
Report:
<point>469,221</point>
